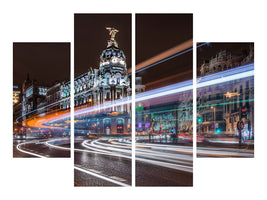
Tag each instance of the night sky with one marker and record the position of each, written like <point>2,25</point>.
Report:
<point>210,50</point>
<point>45,62</point>
<point>156,33</point>
<point>91,36</point>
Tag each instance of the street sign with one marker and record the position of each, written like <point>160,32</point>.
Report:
<point>240,125</point>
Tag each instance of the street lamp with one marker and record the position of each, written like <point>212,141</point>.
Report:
<point>214,116</point>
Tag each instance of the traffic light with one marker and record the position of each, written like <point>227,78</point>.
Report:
<point>199,120</point>
<point>218,130</point>
<point>244,112</point>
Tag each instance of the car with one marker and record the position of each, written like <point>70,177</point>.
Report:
<point>94,136</point>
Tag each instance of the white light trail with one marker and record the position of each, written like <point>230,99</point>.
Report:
<point>209,80</point>
<point>56,146</point>
<point>170,158</point>
<point>224,152</point>
<point>226,79</point>
<point>28,152</point>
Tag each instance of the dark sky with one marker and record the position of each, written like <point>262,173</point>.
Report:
<point>91,36</point>
<point>45,62</point>
<point>210,50</point>
<point>156,33</point>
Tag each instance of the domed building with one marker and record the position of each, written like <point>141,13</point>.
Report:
<point>113,71</point>
<point>105,89</point>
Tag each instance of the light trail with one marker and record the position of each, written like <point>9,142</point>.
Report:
<point>169,78</point>
<point>28,152</point>
<point>224,152</point>
<point>209,80</point>
<point>153,156</point>
<point>200,106</point>
<point>107,148</point>
<point>40,121</point>
<point>56,146</point>
<point>162,57</point>
<point>225,79</point>
<point>113,145</point>
<point>38,109</point>
<point>228,72</point>
<point>85,170</point>
<point>47,143</point>
<point>162,147</point>
<point>167,55</point>
<point>169,158</point>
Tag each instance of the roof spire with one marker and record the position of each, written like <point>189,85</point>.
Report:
<point>28,77</point>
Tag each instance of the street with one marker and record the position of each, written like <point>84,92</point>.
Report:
<point>107,162</point>
<point>43,148</point>
<point>225,152</point>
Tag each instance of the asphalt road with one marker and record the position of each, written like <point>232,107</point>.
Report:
<point>164,165</point>
<point>41,148</point>
<point>225,152</point>
<point>107,162</point>
<point>96,168</point>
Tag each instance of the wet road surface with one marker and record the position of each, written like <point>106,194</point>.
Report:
<point>40,148</point>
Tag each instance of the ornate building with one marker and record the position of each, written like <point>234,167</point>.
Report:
<point>107,83</point>
<point>53,96</point>
<point>174,116</point>
<point>32,96</point>
<point>167,115</point>
<point>221,106</point>
<point>98,88</point>
<point>16,95</point>
<point>101,88</point>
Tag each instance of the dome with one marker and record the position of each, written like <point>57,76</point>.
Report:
<point>112,59</point>
<point>109,52</point>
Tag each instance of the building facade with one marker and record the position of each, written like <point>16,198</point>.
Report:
<point>32,96</point>
<point>100,88</point>
<point>221,106</point>
<point>16,95</point>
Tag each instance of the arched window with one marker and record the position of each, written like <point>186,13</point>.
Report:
<point>118,78</point>
<point>120,125</point>
<point>108,96</point>
<point>107,77</point>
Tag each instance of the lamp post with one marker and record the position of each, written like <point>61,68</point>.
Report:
<point>214,116</point>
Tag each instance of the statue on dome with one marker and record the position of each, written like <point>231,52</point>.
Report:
<point>112,32</point>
